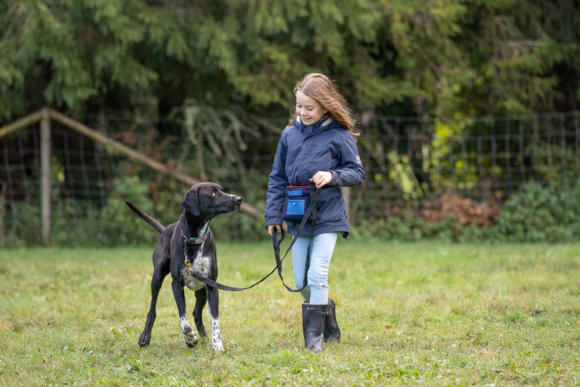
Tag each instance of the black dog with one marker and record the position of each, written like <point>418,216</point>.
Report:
<point>187,247</point>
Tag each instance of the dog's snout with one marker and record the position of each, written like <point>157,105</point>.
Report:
<point>238,201</point>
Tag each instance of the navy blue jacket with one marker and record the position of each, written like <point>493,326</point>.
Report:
<point>304,150</point>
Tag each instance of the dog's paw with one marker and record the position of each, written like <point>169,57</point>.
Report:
<point>191,341</point>
<point>218,347</point>
<point>144,340</point>
<point>216,336</point>
<point>190,337</point>
<point>188,334</point>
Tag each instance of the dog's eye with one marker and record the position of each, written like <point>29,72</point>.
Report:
<point>213,194</point>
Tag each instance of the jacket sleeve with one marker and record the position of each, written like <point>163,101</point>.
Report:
<point>351,172</point>
<point>277,185</point>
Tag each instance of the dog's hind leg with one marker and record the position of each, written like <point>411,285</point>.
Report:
<point>188,333</point>
<point>156,282</point>
<point>200,300</point>
<point>214,313</point>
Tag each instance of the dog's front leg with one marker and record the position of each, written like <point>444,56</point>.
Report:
<point>188,333</point>
<point>214,314</point>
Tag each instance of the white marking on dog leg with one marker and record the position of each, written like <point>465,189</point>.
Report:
<point>216,336</point>
<point>188,333</point>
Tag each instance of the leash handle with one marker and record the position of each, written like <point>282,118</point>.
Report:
<point>277,244</point>
<point>311,211</point>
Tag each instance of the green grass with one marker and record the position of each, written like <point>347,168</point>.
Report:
<point>410,313</point>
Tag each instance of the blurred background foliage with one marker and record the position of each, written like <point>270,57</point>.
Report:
<point>397,57</point>
<point>196,84</point>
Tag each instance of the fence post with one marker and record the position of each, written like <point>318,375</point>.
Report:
<point>2,212</point>
<point>45,175</point>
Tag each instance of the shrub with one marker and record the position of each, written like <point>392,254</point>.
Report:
<point>535,213</point>
<point>120,225</point>
<point>540,213</point>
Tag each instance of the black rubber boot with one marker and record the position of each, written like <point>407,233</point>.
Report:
<point>331,329</point>
<point>312,325</point>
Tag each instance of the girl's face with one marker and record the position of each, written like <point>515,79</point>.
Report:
<point>308,109</point>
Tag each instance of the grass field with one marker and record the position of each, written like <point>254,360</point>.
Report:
<point>428,313</point>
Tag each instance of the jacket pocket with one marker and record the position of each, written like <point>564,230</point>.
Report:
<point>331,206</point>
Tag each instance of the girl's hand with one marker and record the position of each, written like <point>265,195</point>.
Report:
<point>274,226</point>
<point>321,178</point>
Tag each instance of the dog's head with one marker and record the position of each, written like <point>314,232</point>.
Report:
<point>209,200</point>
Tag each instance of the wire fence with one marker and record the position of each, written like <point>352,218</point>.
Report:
<point>480,159</point>
<point>410,162</point>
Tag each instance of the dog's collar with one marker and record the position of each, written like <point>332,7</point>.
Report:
<point>195,240</point>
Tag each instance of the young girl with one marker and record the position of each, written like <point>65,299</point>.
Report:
<point>317,146</point>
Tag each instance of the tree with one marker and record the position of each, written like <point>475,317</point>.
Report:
<point>471,57</point>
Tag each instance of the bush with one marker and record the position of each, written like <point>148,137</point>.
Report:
<point>540,213</point>
<point>535,213</point>
<point>118,224</point>
<point>76,224</point>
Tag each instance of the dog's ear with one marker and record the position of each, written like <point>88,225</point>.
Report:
<point>190,201</point>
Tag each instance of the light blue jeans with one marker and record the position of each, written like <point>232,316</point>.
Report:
<point>320,255</point>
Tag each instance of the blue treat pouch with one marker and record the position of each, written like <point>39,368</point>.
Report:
<point>296,202</point>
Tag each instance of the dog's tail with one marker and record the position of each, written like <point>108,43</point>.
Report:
<point>155,224</point>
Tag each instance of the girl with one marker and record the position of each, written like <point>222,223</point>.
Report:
<point>317,146</point>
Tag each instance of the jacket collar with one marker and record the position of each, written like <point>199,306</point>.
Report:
<point>324,123</point>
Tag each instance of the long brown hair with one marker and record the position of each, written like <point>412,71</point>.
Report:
<point>321,89</point>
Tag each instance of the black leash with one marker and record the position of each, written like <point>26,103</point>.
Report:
<point>314,194</point>
<point>214,284</point>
